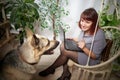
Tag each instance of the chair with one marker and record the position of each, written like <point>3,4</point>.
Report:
<point>100,71</point>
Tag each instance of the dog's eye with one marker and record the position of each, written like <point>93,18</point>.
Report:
<point>43,42</point>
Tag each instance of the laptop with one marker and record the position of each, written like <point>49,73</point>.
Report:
<point>69,44</point>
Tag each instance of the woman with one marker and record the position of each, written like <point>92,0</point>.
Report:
<point>87,24</point>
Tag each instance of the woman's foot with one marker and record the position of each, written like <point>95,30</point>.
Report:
<point>47,72</point>
<point>65,76</point>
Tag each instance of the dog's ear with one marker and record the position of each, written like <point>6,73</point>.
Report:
<point>28,32</point>
<point>35,41</point>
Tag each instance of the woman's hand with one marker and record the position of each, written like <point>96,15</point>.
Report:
<point>81,44</point>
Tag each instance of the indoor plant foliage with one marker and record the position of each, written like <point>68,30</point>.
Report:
<point>23,13</point>
<point>51,13</point>
<point>107,19</point>
<point>110,22</point>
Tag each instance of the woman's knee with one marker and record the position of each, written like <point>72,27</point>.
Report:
<point>62,49</point>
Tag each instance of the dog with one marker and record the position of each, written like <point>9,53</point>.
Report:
<point>19,64</point>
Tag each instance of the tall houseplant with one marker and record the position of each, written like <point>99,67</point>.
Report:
<point>23,13</point>
<point>51,13</point>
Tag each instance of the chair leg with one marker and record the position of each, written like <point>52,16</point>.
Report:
<point>103,76</point>
<point>76,73</point>
<point>87,75</point>
<point>107,76</point>
<point>93,77</point>
<point>79,74</point>
<point>83,75</point>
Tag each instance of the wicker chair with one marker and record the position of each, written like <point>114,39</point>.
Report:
<point>100,71</point>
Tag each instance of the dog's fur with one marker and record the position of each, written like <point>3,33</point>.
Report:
<point>21,61</point>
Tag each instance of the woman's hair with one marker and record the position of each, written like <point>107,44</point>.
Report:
<point>89,14</point>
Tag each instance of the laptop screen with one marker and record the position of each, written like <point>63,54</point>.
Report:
<point>68,44</point>
<point>62,34</point>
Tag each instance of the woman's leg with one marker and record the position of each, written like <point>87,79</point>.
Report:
<point>66,75</point>
<point>61,60</point>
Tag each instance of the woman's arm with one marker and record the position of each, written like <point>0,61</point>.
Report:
<point>86,50</point>
<point>81,44</point>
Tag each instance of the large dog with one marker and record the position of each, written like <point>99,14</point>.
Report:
<point>20,62</point>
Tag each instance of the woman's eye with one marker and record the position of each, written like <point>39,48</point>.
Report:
<point>82,20</point>
<point>88,22</point>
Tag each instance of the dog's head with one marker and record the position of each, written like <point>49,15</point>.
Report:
<point>34,46</point>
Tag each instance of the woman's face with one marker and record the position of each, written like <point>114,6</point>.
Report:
<point>85,25</point>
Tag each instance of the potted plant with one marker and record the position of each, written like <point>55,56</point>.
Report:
<point>23,13</point>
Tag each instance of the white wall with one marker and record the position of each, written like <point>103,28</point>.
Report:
<point>75,8</point>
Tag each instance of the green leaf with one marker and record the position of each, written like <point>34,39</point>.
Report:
<point>110,17</point>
